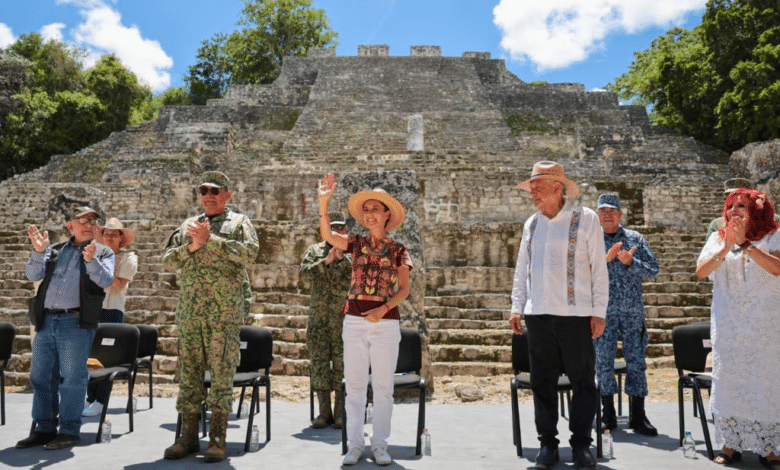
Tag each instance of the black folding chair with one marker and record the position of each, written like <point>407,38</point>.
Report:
<point>116,347</point>
<point>521,365</point>
<point>691,346</point>
<point>256,355</point>
<point>147,348</point>
<point>7,334</point>
<point>407,377</point>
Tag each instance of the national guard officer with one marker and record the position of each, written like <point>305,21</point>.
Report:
<point>212,251</point>
<point>629,260</point>
<point>329,270</point>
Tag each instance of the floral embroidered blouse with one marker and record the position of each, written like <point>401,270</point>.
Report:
<point>374,274</point>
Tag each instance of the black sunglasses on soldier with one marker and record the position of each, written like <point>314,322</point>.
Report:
<point>205,190</point>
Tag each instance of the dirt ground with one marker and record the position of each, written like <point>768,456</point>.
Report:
<point>662,383</point>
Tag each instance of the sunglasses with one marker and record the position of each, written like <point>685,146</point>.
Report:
<point>86,220</point>
<point>206,189</point>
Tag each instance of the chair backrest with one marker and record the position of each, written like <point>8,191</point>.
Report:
<point>691,345</point>
<point>520,355</point>
<point>147,346</point>
<point>115,344</point>
<point>7,334</point>
<point>257,348</point>
<point>409,352</point>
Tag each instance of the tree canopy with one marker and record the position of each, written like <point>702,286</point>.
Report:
<point>719,82</point>
<point>271,30</point>
<point>49,105</point>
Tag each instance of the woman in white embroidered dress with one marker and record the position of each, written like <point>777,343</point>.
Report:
<point>743,261</point>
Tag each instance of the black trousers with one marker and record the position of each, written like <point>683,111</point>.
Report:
<point>562,345</point>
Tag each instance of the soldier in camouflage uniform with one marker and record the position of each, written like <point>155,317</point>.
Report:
<point>329,270</point>
<point>212,252</point>
<point>629,260</point>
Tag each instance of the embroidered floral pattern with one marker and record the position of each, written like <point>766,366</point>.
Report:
<point>570,257</point>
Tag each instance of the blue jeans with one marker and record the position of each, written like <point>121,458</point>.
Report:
<point>60,353</point>
<point>100,390</point>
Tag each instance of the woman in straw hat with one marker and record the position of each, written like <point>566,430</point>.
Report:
<point>380,281</point>
<point>115,236</point>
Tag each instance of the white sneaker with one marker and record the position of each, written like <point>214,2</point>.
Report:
<point>381,457</point>
<point>93,409</point>
<point>353,456</point>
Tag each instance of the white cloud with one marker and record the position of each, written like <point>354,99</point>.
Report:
<point>557,34</point>
<point>52,31</point>
<point>6,36</point>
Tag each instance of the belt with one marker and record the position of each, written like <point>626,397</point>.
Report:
<point>58,311</point>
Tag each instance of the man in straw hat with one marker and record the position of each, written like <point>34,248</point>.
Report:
<point>212,250</point>
<point>65,312</point>
<point>561,290</point>
<point>329,270</point>
<point>117,237</point>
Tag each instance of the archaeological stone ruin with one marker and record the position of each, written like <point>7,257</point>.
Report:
<point>451,137</point>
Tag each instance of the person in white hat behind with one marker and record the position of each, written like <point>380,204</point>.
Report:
<point>117,237</point>
<point>561,287</point>
<point>372,333</point>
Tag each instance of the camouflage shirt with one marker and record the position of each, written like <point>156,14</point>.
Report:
<point>329,283</point>
<point>217,271</point>
<point>625,282</point>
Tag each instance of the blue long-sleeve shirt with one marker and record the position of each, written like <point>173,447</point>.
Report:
<point>63,291</point>
<point>625,282</point>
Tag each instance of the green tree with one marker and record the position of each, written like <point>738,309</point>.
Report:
<point>272,30</point>
<point>148,109</point>
<point>54,65</point>
<point>719,82</point>
<point>117,89</point>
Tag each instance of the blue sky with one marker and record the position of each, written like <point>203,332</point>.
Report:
<point>581,41</point>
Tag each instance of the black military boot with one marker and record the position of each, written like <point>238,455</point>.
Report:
<point>608,416</point>
<point>637,420</point>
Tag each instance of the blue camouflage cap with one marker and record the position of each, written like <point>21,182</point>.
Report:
<point>609,200</point>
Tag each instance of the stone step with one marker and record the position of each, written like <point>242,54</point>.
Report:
<point>677,299</point>
<point>474,368</point>
<point>471,337</point>
<point>698,312</point>
<point>483,300</point>
<point>469,324</point>
<point>676,287</point>
<point>459,353</point>
<point>460,314</point>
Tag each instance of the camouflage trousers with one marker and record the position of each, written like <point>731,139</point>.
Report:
<point>326,348</point>
<point>633,330</point>
<point>207,345</point>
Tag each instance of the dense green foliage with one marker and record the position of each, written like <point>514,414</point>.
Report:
<point>272,30</point>
<point>719,82</point>
<point>49,105</point>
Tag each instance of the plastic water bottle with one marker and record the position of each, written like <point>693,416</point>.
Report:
<point>426,443</point>
<point>369,413</point>
<point>105,437</point>
<point>254,440</point>
<point>244,410</point>
<point>607,449</point>
<point>689,446</point>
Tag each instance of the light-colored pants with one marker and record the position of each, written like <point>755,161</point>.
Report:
<point>375,345</point>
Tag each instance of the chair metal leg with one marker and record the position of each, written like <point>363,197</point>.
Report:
<point>103,413</point>
<point>267,410</point>
<point>599,449</point>
<point>421,417</point>
<point>700,404</point>
<point>252,404</point>
<point>311,400</point>
<point>620,394</point>
<point>151,392</point>
<point>344,415</point>
<point>2,397</point>
<point>516,418</point>
<point>680,409</point>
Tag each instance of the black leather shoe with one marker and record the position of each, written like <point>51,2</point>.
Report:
<point>36,438</point>
<point>583,459</point>
<point>63,441</point>
<point>547,457</point>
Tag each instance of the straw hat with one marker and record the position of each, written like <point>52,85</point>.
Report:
<point>114,224</point>
<point>397,212</point>
<point>553,171</point>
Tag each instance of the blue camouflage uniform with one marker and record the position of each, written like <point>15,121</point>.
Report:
<point>625,314</point>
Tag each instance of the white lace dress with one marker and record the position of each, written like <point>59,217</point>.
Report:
<point>745,400</point>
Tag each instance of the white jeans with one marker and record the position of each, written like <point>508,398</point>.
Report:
<point>375,345</point>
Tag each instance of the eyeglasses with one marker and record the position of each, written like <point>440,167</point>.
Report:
<point>86,220</point>
<point>206,189</point>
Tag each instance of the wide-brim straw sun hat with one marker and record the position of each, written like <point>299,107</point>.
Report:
<point>115,224</point>
<point>397,212</point>
<point>553,171</point>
